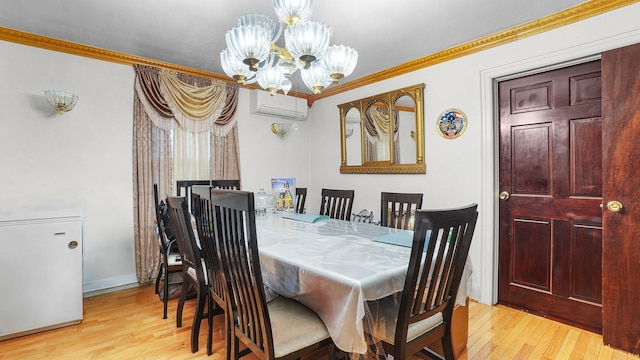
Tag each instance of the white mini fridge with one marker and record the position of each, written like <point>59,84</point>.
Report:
<point>41,271</point>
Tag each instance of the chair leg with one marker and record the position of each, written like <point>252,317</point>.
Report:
<point>210,324</point>
<point>197,320</point>
<point>165,289</point>
<point>183,298</point>
<point>228,335</point>
<point>160,268</point>
<point>234,350</point>
<point>447,347</point>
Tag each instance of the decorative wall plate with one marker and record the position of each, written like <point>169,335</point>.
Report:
<point>452,123</point>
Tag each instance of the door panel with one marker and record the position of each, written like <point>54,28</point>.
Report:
<point>621,161</point>
<point>586,272</point>
<point>551,166</point>
<point>531,159</point>
<point>531,254</point>
<point>586,157</point>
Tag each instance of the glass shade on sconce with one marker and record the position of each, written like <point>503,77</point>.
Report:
<point>280,129</point>
<point>61,100</point>
<point>348,133</point>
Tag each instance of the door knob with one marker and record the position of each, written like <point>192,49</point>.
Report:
<point>504,195</point>
<point>614,206</point>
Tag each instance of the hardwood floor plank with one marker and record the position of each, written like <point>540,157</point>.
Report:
<point>128,325</point>
<point>556,342</point>
<point>569,343</point>
<point>516,339</point>
<point>502,338</point>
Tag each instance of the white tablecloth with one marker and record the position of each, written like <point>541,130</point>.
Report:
<point>332,267</point>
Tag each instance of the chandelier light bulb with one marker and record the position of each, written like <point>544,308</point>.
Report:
<point>249,43</point>
<point>233,67</point>
<point>272,27</point>
<point>340,61</point>
<point>293,11</point>
<point>307,41</point>
<point>316,77</point>
<point>271,79</point>
<point>252,54</point>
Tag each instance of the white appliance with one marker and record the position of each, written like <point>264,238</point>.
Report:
<point>277,105</point>
<point>40,271</point>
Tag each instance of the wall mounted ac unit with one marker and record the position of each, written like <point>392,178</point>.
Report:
<point>278,105</point>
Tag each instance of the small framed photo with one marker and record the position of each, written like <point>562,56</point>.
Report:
<point>452,123</point>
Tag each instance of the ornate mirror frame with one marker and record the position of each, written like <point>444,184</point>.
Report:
<point>388,102</point>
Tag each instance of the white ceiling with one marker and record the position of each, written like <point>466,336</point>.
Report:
<point>191,32</point>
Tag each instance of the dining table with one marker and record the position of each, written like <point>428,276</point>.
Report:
<point>334,267</point>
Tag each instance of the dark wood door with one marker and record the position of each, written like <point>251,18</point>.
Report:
<point>621,162</point>
<point>550,246</point>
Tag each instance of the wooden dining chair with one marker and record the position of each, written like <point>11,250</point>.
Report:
<point>336,204</point>
<point>194,273</point>
<point>280,329</point>
<point>301,198</point>
<point>226,184</point>
<point>439,252</point>
<point>169,258</point>
<point>397,210</point>
<point>203,213</point>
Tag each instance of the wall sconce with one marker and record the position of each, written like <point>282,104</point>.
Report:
<point>280,129</point>
<point>61,100</point>
<point>348,132</point>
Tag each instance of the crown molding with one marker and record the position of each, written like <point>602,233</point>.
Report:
<point>576,13</point>
<point>571,15</point>
<point>72,48</point>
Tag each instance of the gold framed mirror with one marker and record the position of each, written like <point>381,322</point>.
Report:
<point>384,133</point>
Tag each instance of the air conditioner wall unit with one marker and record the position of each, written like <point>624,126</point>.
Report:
<point>278,105</point>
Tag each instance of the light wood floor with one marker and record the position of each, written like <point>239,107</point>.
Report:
<point>128,325</point>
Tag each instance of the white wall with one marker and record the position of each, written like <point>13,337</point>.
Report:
<point>264,155</point>
<point>85,155</point>
<point>50,160</point>
<point>461,171</point>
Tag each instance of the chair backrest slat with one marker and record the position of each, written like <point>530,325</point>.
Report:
<point>226,184</point>
<point>397,210</point>
<point>301,198</point>
<point>237,246</point>
<point>181,222</point>
<point>203,212</point>
<point>163,237</point>
<point>336,204</point>
<point>440,248</point>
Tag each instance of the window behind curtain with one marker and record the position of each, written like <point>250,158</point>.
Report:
<point>191,154</point>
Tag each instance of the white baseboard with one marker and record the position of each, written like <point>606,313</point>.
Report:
<point>104,286</point>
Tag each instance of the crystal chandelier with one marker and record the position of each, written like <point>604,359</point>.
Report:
<point>252,54</point>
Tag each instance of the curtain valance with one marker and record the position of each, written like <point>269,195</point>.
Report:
<point>169,100</point>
